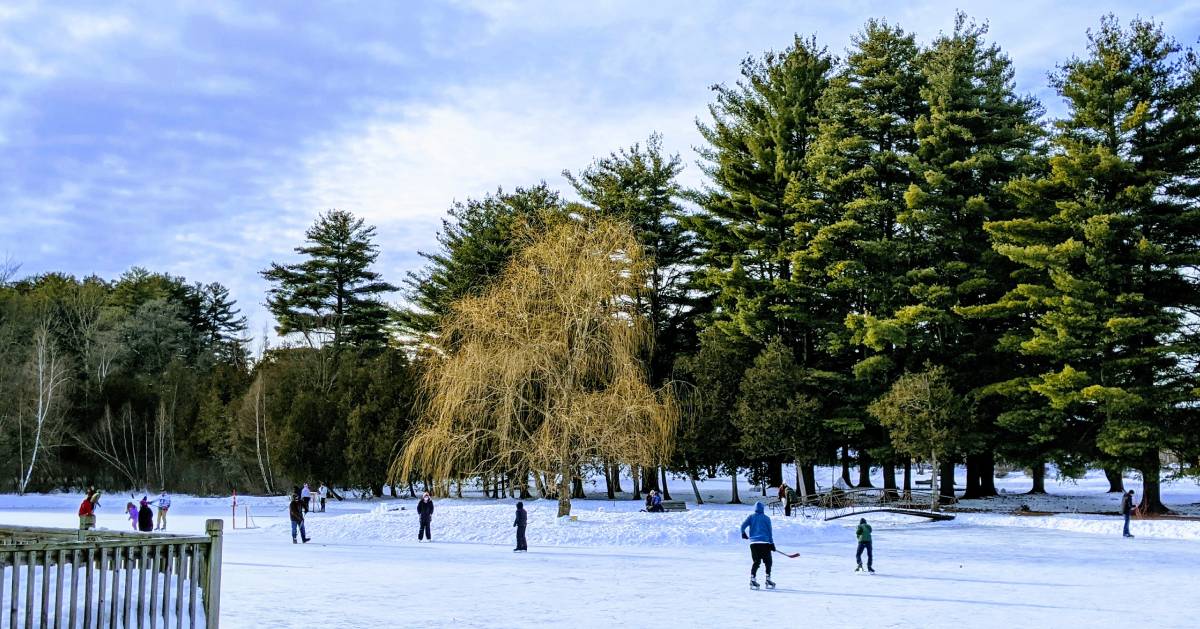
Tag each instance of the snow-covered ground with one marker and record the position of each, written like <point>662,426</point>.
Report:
<point>615,566</point>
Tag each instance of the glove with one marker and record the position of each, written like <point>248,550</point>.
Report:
<point>744,536</point>
<point>772,547</point>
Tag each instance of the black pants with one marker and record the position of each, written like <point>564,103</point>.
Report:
<point>424,533</point>
<point>305,501</point>
<point>322,505</point>
<point>870,555</point>
<point>760,553</point>
<point>521,544</point>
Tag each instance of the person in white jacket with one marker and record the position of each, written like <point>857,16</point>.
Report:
<point>164,503</point>
<point>305,496</point>
<point>322,494</point>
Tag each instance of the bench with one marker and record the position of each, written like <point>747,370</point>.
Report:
<point>674,505</point>
<point>924,482</point>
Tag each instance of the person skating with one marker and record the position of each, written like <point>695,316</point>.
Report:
<point>296,513</point>
<point>164,503</point>
<point>1127,510</point>
<point>425,511</point>
<point>520,522</point>
<point>305,496</point>
<point>132,510</point>
<point>762,543</point>
<point>863,533</point>
<point>145,516</point>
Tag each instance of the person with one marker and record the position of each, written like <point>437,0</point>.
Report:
<point>164,503</point>
<point>132,510</point>
<point>863,533</point>
<point>87,511</point>
<point>1127,510</point>
<point>425,511</point>
<point>296,513</point>
<point>520,522</point>
<point>323,493</point>
<point>145,516</point>
<point>783,498</point>
<point>305,496</point>
<point>655,501</point>
<point>762,543</point>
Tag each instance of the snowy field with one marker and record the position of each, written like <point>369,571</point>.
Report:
<point>615,566</point>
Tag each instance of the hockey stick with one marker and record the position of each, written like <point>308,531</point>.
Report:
<point>788,555</point>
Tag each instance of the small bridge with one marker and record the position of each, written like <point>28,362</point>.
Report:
<point>839,503</point>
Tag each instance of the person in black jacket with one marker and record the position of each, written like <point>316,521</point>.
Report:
<point>145,516</point>
<point>1127,510</point>
<point>522,519</point>
<point>296,514</point>
<point>425,510</point>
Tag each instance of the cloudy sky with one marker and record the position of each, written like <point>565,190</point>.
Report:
<point>202,139</point>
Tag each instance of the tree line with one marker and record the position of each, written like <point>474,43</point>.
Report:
<point>895,257</point>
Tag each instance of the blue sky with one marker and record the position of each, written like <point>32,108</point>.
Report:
<point>201,139</point>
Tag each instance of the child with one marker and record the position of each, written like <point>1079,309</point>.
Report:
<point>863,533</point>
<point>132,510</point>
<point>520,522</point>
<point>87,512</point>
<point>761,543</point>
<point>425,513</point>
<point>296,514</point>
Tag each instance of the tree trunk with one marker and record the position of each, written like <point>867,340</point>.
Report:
<point>774,474</point>
<point>525,495</point>
<point>1151,489</point>
<point>695,489</point>
<point>987,474</point>
<point>577,488</point>
<point>1039,478</point>
<point>933,483</point>
<point>564,491</point>
<point>864,469</point>
<point>810,479</point>
<point>392,490</point>
<point>889,479</point>
<point>633,478</point>
<point>1116,480</point>
<point>616,478</point>
<point>735,500</point>
<point>846,466</point>
<point>649,479</point>
<point>946,488</point>
<point>608,481</point>
<point>666,491</point>
<point>908,477</point>
<point>541,486</point>
<point>973,485</point>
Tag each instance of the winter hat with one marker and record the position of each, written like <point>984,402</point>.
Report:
<point>862,520</point>
<point>520,505</point>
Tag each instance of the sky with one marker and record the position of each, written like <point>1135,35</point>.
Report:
<point>201,139</point>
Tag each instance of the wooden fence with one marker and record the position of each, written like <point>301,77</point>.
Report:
<point>99,579</point>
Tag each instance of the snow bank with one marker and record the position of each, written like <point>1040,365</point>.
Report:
<point>1092,524</point>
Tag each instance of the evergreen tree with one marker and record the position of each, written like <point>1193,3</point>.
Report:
<point>1114,244</point>
<point>476,243</point>
<point>332,296</point>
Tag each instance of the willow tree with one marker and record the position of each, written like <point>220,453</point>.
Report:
<point>541,372</point>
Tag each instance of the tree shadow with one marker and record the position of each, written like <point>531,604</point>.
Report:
<point>954,579</point>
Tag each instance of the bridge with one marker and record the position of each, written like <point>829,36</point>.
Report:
<point>839,503</point>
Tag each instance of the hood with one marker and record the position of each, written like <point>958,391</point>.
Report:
<point>759,507</point>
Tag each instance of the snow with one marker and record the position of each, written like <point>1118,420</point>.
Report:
<point>615,566</point>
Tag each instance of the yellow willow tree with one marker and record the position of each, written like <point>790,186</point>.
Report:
<point>541,372</point>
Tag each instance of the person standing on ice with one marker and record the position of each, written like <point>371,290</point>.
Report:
<point>863,533</point>
<point>425,511</point>
<point>145,516</point>
<point>761,543</point>
<point>164,503</point>
<point>520,522</point>
<point>322,494</point>
<point>132,510</point>
<point>296,513</point>
<point>1127,510</point>
<point>305,496</point>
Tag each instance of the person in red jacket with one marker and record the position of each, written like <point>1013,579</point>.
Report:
<point>87,510</point>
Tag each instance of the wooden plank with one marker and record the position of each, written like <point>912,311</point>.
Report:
<point>180,568</point>
<point>45,617</point>
<point>16,589</point>
<point>212,581</point>
<point>166,606</point>
<point>101,608</point>
<point>114,597</point>
<point>30,591</point>
<point>5,556</point>
<point>129,561</point>
<point>87,596</point>
<point>141,593</point>
<point>154,588</point>
<point>195,583</point>
<point>62,559</point>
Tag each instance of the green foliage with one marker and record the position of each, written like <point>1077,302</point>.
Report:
<point>773,414</point>
<point>923,414</point>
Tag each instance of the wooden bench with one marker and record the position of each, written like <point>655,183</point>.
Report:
<point>674,505</point>
<point>924,482</point>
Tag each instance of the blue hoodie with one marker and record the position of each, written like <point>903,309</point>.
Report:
<point>759,525</point>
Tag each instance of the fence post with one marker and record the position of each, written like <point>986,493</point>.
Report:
<point>212,580</point>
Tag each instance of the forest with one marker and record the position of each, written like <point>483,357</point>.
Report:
<point>896,257</point>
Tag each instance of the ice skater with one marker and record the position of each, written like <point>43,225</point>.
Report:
<point>863,533</point>
<point>164,503</point>
<point>132,510</point>
<point>520,522</point>
<point>305,496</point>
<point>762,543</point>
<point>145,516</point>
<point>425,511</point>
<point>296,512</point>
<point>322,494</point>
<point>1127,510</point>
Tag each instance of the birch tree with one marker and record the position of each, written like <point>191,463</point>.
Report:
<point>49,376</point>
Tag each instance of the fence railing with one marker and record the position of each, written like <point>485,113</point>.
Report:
<point>100,579</point>
<point>833,503</point>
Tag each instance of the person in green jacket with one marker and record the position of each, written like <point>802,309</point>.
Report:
<point>863,533</point>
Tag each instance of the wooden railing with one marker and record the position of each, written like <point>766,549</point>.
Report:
<point>99,579</point>
<point>829,504</point>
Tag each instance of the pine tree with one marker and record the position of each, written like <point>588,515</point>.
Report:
<point>332,297</point>
<point>1114,247</point>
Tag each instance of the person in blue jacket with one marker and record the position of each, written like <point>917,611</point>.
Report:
<point>761,543</point>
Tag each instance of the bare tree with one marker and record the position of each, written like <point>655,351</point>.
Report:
<point>49,377</point>
<point>542,372</point>
<point>254,410</point>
